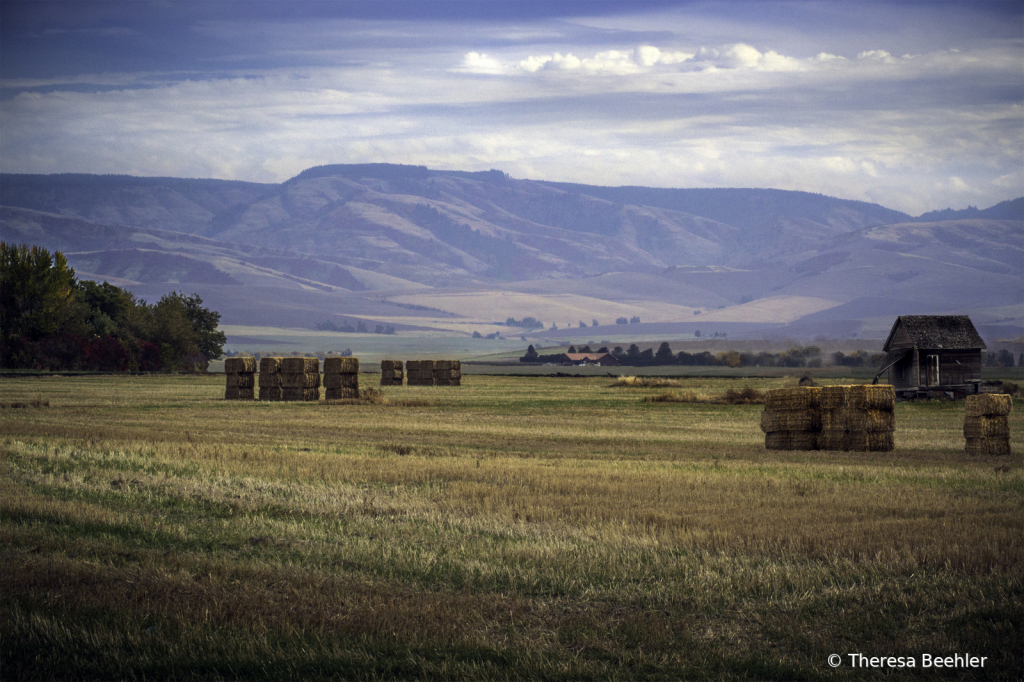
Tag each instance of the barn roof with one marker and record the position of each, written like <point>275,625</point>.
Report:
<point>949,332</point>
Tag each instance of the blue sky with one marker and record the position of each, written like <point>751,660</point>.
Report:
<point>913,105</point>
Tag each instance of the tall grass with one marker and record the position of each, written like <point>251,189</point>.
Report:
<point>511,528</point>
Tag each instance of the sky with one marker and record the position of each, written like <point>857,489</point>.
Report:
<point>916,106</point>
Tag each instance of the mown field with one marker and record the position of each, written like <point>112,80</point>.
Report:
<point>512,528</point>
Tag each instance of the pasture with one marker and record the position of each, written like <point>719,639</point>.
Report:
<point>511,528</point>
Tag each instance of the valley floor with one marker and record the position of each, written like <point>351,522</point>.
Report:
<point>511,528</point>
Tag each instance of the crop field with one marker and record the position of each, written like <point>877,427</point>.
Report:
<point>510,528</point>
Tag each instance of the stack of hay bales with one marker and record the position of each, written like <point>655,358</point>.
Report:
<point>241,378</point>
<point>421,372</point>
<point>270,379</point>
<point>391,373</point>
<point>845,418</point>
<point>447,372</point>
<point>792,418</point>
<point>987,424</point>
<point>341,378</point>
<point>300,379</point>
<point>859,418</point>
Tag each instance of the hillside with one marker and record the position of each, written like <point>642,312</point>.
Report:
<point>390,242</point>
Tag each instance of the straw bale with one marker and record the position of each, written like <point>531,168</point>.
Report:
<point>988,446</point>
<point>240,365</point>
<point>341,381</point>
<point>386,380</point>
<point>300,380</point>
<point>859,420</point>
<point>270,365</point>
<point>341,365</point>
<point>341,394</point>
<point>986,427</point>
<point>833,439</point>
<point>871,397</point>
<point>270,380</point>
<point>241,380</point>
<point>271,392</point>
<point>833,397</point>
<point>796,398</point>
<point>989,405</point>
<point>790,420</point>
<point>300,394</point>
<point>791,440</point>
<point>300,365</point>
<point>236,393</point>
<point>869,441</point>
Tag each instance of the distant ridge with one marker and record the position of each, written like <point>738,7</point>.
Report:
<point>369,240</point>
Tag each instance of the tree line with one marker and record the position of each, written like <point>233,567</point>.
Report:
<point>796,356</point>
<point>49,320</point>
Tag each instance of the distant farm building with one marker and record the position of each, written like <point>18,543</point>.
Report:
<point>933,355</point>
<point>579,359</point>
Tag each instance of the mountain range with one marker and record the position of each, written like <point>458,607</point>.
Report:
<point>447,250</point>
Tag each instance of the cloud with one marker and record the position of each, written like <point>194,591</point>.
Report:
<point>608,62</point>
<point>476,62</point>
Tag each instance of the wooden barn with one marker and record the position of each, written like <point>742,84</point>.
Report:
<point>933,355</point>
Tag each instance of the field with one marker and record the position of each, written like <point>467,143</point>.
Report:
<point>513,528</point>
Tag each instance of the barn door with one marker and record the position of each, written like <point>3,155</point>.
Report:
<point>933,370</point>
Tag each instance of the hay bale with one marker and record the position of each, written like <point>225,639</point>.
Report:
<point>271,392</point>
<point>791,440</point>
<point>988,446</point>
<point>859,420</point>
<point>236,393</point>
<point>833,439</point>
<point>869,441</point>
<point>300,380</point>
<point>790,420</point>
<point>300,394</point>
<point>341,381</point>
<point>987,427</point>
<point>270,380</point>
<point>989,405</point>
<point>300,365</point>
<point>341,394</point>
<point>240,365</point>
<point>241,380</point>
<point>270,365</point>
<point>871,397</point>
<point>334,365</point>
<point>833,397</point>
<point>797,398</point>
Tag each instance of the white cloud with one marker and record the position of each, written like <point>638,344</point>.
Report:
<point>477,62</point>
<point>877,56</point>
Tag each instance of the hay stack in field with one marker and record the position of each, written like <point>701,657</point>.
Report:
<point>391,373</point>
<point>987,424</point>
<point>300,379</point>
<point>420,372</point>
<point>241,378</point>
<point>859,418</point>
<point>792,418</point>
<point>270,379</point>
<point>447,372</point>
<point>341,378</point>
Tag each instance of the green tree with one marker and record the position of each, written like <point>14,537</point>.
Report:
<point>664,356</point>
<point>38,296</point>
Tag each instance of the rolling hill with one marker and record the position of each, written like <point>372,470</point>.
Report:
<point>422,248</point>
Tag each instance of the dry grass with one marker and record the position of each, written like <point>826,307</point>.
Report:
<point>644,382</point>
<point>510,528</point>
<point>732,396</point>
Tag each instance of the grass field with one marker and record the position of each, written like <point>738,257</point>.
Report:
<point>512,528</point>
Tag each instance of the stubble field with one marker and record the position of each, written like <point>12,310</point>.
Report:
<point>512,528</point>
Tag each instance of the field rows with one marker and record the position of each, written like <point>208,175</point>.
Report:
<point>511,528</point>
